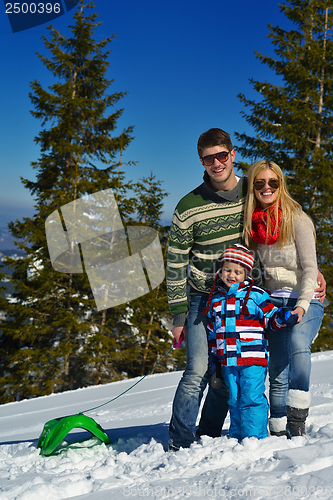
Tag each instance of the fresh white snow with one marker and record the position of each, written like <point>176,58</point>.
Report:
<point>137,465</point>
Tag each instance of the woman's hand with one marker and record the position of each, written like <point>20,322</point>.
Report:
<point>321,291</point>
<point>300,312</point>
<point>177,331</point>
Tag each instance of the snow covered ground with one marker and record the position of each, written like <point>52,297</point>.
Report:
<point>136,464</point>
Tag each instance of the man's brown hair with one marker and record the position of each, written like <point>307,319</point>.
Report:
<point>214,137</point>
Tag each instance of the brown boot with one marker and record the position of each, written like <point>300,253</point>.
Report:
<point>298,403</point>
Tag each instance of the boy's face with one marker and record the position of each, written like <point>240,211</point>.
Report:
<point>232,273</point>
<point>222,175</point>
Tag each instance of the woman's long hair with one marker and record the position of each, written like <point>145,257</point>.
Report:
<point>288,205</point>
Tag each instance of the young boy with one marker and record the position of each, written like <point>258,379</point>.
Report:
<point>237,317</point>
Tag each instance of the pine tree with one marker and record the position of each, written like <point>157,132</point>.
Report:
<point>56,338</point>
<point>150,314</point>
<point>147,339</point>
<point>293,121</point>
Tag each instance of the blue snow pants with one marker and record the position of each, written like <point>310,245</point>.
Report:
<point>248,404</point>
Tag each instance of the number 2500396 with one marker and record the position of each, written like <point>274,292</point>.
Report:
<point>32,8</point>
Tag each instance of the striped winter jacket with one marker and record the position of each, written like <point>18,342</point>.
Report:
<point>237,333</point>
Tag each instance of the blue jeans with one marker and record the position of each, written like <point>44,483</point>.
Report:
<point>248,405</point>
<point>189,393</point>
<point>290,355</point>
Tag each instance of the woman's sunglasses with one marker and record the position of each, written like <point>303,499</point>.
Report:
<point>273,183</point>
<point>209,159</point>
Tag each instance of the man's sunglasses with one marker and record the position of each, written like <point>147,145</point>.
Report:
<point>221,157</point>
<point>273,183</point>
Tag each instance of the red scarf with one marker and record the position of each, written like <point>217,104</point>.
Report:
<point>259,226</point>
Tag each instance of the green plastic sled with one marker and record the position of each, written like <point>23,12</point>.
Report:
<point>55,430</point>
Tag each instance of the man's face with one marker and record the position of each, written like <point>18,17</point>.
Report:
<point>221,173</point>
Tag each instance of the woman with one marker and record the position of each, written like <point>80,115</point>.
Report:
<point>284,237</point>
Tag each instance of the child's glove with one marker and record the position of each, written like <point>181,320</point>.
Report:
<point>214,370</point>
<point>284,316</point>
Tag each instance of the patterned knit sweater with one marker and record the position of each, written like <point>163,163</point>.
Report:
<point>238,337</point>
<point>292,267</point>
<point>204,224</point>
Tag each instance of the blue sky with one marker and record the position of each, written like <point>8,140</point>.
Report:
<point>182,62</point>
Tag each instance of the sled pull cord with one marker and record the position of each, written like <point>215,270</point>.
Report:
<point>174,346</point>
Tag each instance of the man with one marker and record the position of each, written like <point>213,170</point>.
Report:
<point>206,221</point>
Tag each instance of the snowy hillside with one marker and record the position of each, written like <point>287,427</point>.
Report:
<point>136,464</point>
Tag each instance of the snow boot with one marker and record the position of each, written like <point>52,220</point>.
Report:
<point>298,403</point>
<point>172,447</point>
<point>277,426</point>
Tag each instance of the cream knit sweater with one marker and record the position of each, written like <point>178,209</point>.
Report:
<point>292,267</point>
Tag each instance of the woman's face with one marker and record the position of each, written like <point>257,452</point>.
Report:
<point>266,195</point>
